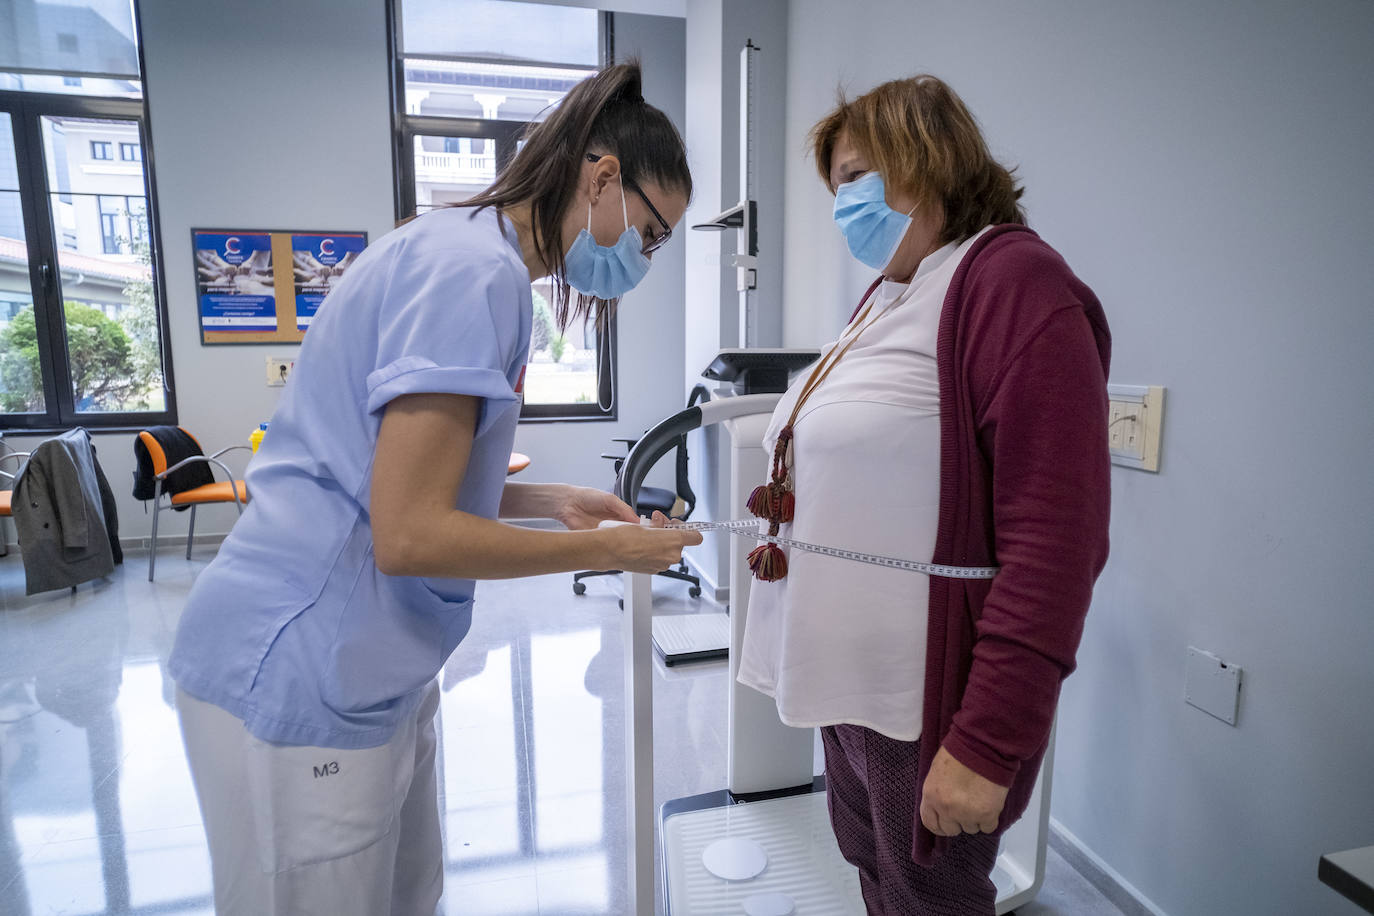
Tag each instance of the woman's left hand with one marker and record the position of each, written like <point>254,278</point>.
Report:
<point>585,507</point>
<point>956,800</point>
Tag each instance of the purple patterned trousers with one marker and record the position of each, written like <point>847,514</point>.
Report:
<point>874,804</point>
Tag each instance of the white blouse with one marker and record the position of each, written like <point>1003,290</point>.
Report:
<point>837,641</point>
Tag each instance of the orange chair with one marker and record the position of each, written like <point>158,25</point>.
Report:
<point>231,490</point>
<point>7,494</point>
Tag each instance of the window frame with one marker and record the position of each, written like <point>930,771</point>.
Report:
<point>125,146</point>
<point>26,111</point>
<point>105,150</point>
<point>405,127</point>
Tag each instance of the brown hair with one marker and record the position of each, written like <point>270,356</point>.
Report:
<point>920,137</point>
<point>605,113</point>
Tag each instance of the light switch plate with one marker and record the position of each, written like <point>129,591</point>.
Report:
<point>1212,685</point>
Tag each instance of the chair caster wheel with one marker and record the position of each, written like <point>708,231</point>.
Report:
<point>579,588</point>
<point>621,602</point>
<point>694,591</point>
<point>682,568</point>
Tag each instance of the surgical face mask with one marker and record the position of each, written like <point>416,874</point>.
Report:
<point>607,273</point>
<point>871,228</point>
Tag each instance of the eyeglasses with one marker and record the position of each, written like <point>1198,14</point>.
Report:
<point>658,241</point>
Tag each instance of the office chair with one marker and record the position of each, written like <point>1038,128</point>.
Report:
<point>229,491</point>
<point>680,498</point>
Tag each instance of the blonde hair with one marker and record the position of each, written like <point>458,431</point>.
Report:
<point>918,134</point>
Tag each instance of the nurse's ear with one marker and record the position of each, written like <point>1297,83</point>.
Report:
<point>604,172</point>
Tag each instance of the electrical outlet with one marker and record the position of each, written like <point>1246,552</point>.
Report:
<point>279,370</point>
<point>1212,685</point>
<point>1134,419</point>
<point>1114,426</point>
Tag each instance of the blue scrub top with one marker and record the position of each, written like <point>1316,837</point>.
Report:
<point>292,628</point>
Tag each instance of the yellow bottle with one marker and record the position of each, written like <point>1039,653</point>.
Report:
<point>255,439</point>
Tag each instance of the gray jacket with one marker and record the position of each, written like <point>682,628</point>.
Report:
<point>59,515</point>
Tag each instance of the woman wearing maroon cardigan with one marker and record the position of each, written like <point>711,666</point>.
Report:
<point>960,418</point>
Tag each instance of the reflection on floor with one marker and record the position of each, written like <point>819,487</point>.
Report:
<point>97,813</point>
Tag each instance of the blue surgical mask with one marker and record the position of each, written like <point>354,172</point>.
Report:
<point>607,273</point>
<point>871,228</point>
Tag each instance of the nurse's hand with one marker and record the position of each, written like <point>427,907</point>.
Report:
<point>648,548</point>
<point>957,800</point>
<point>585,507</point>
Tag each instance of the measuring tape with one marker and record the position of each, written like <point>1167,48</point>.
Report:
<point>748,527</point>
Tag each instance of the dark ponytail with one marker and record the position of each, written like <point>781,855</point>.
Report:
<point>605,113</point>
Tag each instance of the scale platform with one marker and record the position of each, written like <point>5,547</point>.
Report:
<point>691,637</point>
<point>804,861</point>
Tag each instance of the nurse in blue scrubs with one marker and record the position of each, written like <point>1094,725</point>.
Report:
<point>306,657</point>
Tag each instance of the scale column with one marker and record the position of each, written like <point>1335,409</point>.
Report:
<point>763,754</point>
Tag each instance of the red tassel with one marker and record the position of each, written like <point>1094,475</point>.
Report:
<point>761,500</point>
<point>768,563</point>
<point>787,507</point>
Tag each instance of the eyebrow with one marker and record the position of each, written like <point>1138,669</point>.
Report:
<point>846,167</point>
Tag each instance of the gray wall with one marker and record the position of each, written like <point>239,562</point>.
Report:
<point>288,127</point>
<point>1205,167</point>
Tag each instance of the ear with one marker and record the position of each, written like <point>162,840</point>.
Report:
<point>605,171</point>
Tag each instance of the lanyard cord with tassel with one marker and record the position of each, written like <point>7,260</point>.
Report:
<point>776,500</point>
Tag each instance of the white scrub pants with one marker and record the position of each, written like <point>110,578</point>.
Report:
<point>308,830</point>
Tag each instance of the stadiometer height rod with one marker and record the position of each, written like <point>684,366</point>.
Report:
<point>746,261</point>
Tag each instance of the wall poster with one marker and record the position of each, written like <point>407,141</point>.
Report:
<point>264,286</point>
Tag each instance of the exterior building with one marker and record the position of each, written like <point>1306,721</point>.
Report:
<point>94,167</point>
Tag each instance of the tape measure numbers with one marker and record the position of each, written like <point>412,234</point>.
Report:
<point>749,528</point>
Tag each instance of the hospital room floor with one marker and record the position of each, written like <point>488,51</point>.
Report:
<point>97,812</point>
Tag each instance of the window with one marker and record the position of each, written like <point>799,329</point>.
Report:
<point>74,47</point>
<point>100,149</point>
<point>109,230</point>
<point>81,307</point>
<point>130,152</point>
<point>122,223</point>
<point>469,76</point>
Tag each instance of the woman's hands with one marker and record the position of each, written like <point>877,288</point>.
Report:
<point>585,507</point>
<point>421,459</point>
<point>630,546</point>
<point>648,549</point>
<point>957,800</point>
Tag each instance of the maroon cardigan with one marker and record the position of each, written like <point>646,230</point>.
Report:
<point>1022,354</point>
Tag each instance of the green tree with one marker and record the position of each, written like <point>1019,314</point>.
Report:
<point>140,320</point>
<point>542,331</point>
<point>101,359</point>
<point>20,373</point>
<point>98,352</point>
